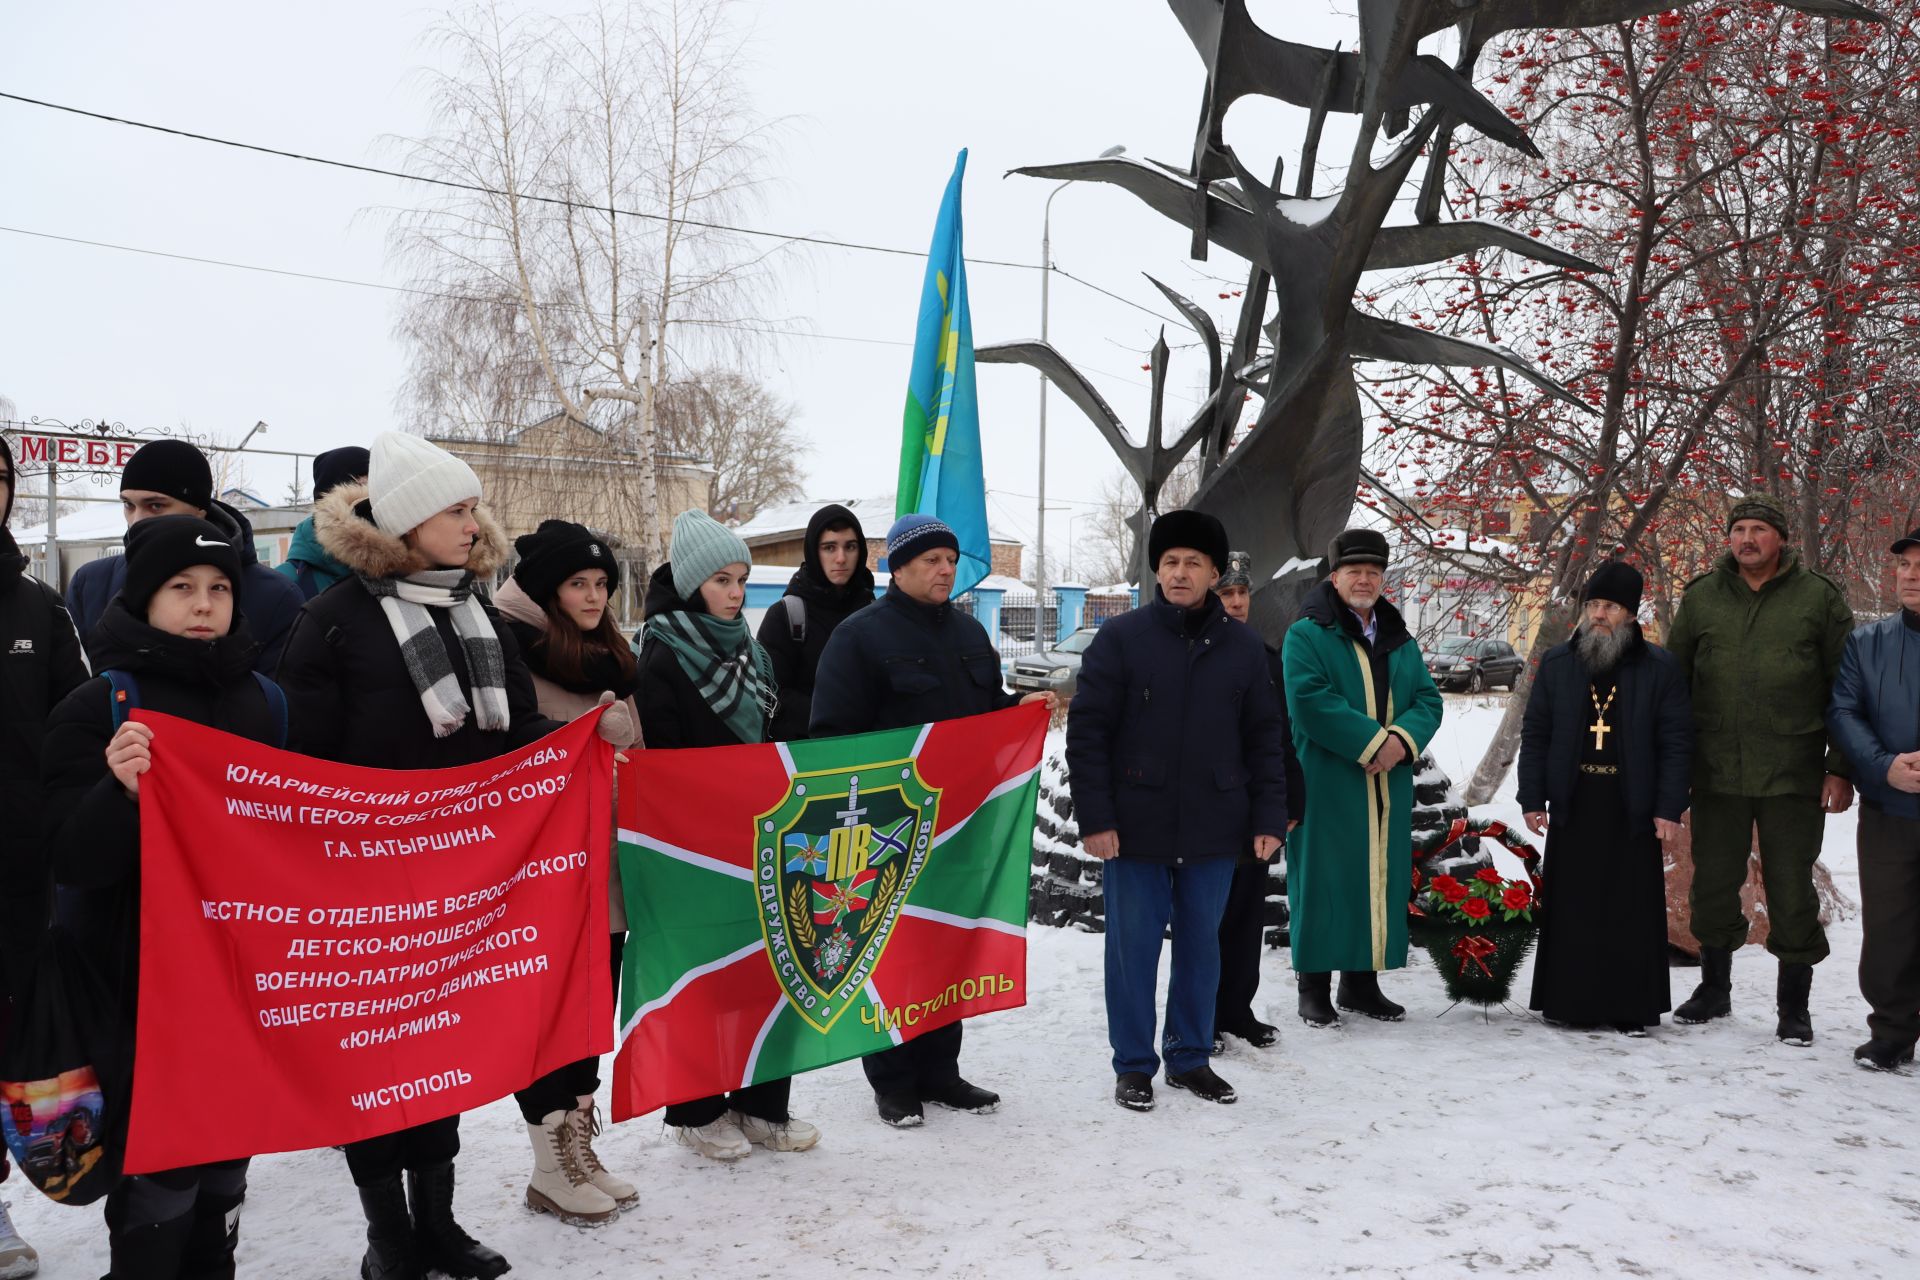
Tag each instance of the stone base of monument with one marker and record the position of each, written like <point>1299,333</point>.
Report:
<point>1834,905</point>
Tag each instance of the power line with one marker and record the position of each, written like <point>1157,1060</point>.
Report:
<point>563,202</point>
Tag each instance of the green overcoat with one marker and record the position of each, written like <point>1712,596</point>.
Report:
<point>1350,862</point>
<point>1760,665</point>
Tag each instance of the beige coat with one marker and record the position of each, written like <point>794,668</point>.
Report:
<point>565,704</point>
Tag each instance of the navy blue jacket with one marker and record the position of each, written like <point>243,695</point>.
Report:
<point>1874,714</point>
<point>1656,733</point>
<point>899,662</point>
<point>1177,737</point>
<point>269,601</point>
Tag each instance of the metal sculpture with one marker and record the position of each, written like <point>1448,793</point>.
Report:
<point>1288,485</point>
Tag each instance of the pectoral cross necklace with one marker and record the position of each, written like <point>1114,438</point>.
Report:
<point>1600,728</point>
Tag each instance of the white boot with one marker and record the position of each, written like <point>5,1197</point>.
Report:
<point>17,1258</point>
<point>721,1140</point>
<point>586,1126</point>
<point>786,1135</point>
<point>560,1183</point>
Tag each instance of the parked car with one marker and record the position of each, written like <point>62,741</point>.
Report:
<point>1461,662</point>
<point>1057,668</point>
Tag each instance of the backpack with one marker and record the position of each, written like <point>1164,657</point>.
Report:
<point>125,697</point>
<point>796,618</point>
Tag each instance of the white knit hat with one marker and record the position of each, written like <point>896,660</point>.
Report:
<point>410,480</point>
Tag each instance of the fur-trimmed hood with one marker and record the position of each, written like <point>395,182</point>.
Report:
<point>343,522</point>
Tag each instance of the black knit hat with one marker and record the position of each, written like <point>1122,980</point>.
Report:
<point>556,551</point>
<point>161,546</point>
<point>13,481</point>
<point>1188,528</point>
<point>1616,581</point>
<point>1357,546</point>
<point>172,467</point>
<point>336,467</point>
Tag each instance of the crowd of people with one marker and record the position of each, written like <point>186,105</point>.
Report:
<point>1193,750</point>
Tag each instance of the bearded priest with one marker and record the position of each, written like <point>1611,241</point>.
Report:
<point>1604,758</point>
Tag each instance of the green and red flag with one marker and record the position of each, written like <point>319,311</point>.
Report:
<point>798,904</point>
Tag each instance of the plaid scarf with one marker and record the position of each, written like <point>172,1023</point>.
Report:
<point>732,673</point>
<point>406,602</point>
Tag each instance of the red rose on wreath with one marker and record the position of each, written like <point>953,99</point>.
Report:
<point>1449,888</point>
<point>1476,908</point>
<point>1489,875</point>
<point>1517,897</point>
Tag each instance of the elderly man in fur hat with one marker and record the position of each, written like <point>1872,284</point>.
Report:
<point>1363,709</point>
<point>1605,753</point>
<point>1760,638</point>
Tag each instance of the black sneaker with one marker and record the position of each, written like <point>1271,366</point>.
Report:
<point>1202,1083</point>
<point>1134,1091</point>
<point>1261,1035</point>
<point>961,1096</point>
<point>901,1110</point>
<point>1882,1055</point>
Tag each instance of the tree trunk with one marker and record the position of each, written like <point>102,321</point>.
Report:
<point>1500,753</point>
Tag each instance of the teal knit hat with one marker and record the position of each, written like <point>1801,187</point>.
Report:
<point>702,547</point>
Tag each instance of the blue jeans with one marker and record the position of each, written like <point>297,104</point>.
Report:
<point>1141,898</point>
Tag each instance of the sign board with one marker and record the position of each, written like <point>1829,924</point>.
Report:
<point>73,453</point>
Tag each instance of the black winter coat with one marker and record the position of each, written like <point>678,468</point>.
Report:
<point>269,601</point>
<point>1177,737</point>
<point>1296,776</point>
<point>1656,734</point>
<point>900,662</point>
<point>93,828</point>
<point>40,663</point>
<point>824,607</point>
<point>349,696</point>
<point>672,712</point>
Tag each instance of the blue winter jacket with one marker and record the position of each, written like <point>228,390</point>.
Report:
<point>1177,738</point>
<point>268,601</point>
<point>1874,713</point>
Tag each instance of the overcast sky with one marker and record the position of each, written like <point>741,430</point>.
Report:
<point>877,95</point>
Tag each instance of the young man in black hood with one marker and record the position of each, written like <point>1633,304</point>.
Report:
<point>173,478</point>
<point>832,584</point>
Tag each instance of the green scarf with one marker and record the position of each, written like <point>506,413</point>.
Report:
<point>728,667</point>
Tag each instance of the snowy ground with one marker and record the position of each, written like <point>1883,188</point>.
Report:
<point>1440,1146</point>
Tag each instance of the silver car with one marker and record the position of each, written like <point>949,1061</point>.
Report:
<point>1056,669</point>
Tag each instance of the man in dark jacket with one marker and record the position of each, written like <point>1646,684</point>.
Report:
<point>1605,750</point>
<point>912,658</point>
<point>1169,791</point>
<point>40,663</point>
<point>1872,718</point>
<point>1759,639</point>
<point>1243,925</point>
<point>172,478</point>
<point>308,564</point>
<point>831,585</point>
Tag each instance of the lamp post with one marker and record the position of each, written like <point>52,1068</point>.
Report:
<point>1046,275</point>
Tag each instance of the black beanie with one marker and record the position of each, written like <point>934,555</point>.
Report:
<point>172,467</point>
<point>1188,528</point>
<point>556,551</point>
<point>1616,581</point>
<point>13,481</point>
<point>161,546</point>
<point>336,467</point>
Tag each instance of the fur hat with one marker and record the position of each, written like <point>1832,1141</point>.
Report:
<point>1239,571</point>
<point>411,480</point>
<point>1187,528</point>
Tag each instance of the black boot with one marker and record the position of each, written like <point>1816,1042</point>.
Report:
<point>1795,984</point>
<point>148,1250</point>
<point>1883,1055</point>
<point>390,1250</point>
<point>1202,1083</point>
<point>1316,1004</point>
<point>442,1244</point>
<point>1713,998</point>
<point>1134,1091</point>
<point>1261,1035</point>
<point>216,1234</point>
<point>1360,993</point>
<point>958,1095</point>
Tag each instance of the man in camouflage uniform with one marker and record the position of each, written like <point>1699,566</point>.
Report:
<point>1760,639</point>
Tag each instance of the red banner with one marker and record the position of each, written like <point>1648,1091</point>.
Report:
<point>330,953</point>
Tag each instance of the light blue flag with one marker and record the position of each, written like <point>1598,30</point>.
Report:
<point>940,469</point>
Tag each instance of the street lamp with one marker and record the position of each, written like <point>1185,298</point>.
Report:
<point>1046,274</point>
<point>257,429</point>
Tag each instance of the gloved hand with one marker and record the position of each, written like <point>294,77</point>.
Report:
<point>616,723</point>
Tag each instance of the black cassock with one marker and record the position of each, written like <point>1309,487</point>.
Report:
<point>1602,956</point>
